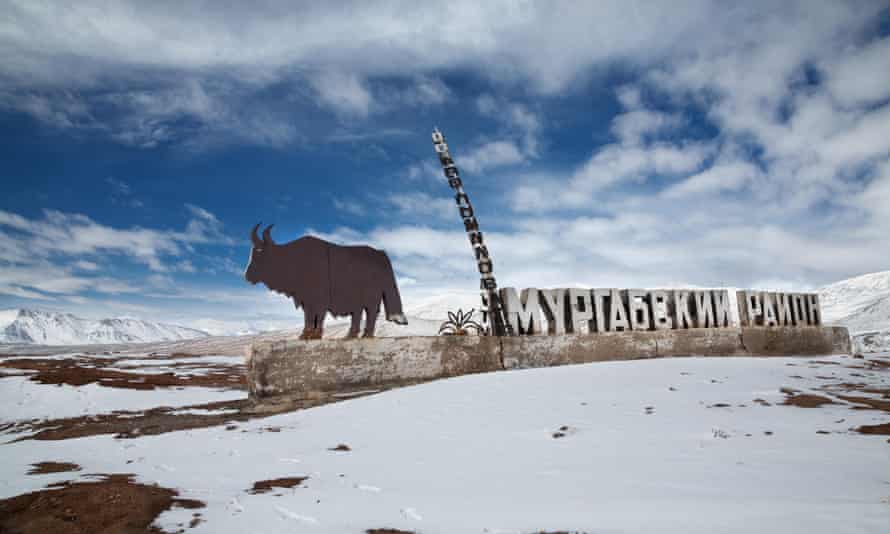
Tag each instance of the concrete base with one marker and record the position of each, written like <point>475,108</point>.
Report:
<point>304,367</point>
<point>332,365</point>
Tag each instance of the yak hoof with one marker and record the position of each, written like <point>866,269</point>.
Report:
<point>398,318</point>
<point>311,333</point>
<point>352,335</point>
<point>368,334</point>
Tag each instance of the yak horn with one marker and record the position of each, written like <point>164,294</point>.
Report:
<point>267,235</point>
<point>255,238</point>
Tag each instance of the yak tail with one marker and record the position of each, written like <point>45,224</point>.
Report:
<point>392,301</point>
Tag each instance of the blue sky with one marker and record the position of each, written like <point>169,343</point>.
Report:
<point>602,144</point>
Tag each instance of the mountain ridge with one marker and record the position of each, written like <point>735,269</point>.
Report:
<point>32,326</point>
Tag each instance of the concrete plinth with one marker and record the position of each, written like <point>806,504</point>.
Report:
<point>297,366</point>
<point>324,366</point>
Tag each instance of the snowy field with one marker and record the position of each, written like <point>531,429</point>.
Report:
<point>676,445</point>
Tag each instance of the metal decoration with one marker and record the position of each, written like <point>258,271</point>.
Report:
<point>492,310</point>
<point>460,324</point>
<point>323,277</point>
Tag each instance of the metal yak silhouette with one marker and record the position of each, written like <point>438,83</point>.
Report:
<point>323,277</point>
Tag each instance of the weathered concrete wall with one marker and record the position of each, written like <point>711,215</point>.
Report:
<point>308,367</point>
<point>543,351</point>
<point>296,366</point>
<point>796,340</point>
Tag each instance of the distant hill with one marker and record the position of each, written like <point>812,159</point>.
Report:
<point>862,304</point>
<point>55,328</point>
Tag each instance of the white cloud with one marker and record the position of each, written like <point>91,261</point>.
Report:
<point>863,77</point>
<point>489,155</point>
<point>343,92</point>
<point>722,176</point>
<point>421,205</point>
<point>201,64</point>
<point>754,148</point>
<point>499,39</point>
<point>351,207</point>
<point>633,126</point>
<point>84,265</point>
<point>519,121</point>
<point>61,253</point>
<point>421,91</point>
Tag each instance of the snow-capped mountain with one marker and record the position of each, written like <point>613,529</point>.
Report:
<point>54,328</point>
<point>862,304</point>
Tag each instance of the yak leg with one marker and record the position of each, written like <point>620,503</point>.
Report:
<point>371,319</point>
<point>311,326</point>
<point>319,323</point>
<point>356,321</point>
<point>308,325</point>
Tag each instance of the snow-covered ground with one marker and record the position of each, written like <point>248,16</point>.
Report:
<point>22,399</point>
<point>673,445</point>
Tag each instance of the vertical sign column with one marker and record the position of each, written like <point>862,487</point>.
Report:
<point>492,311</point>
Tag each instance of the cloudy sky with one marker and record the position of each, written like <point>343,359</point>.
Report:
<point>602,144</point>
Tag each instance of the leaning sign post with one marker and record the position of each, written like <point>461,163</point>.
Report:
<point>492,310</point>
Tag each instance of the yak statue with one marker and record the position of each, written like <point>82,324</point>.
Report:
<point>323,277</point>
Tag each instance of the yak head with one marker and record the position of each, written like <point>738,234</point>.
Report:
<point>260,256</point>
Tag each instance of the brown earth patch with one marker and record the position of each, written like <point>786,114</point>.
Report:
<point>45,468</point>
<point>341,447</point>
<point>883,429</point>
<point>115,504</point>
<point>875,404</point>
<point>150,422</point>
<point>872,365</point>
<point>388,531</point>
<point>166,419</point>
<point>806,400</point>
<point>265,486</point>
<point>82,370</point>
<point>848,387</point>
<point>85,369</point>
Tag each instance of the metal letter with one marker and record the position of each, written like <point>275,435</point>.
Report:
<point>721,308</point>
<point>704,309</point>
<point>600,300</point>
<point>638,308</point>
<point>769,310</point>
<point>617,313</point>
<point>661,317</point>
<point>580,311</point>
<point>784,315</point>
<point>523,312</point>
<point>754,308</point>
<point>814,309</point>
<point>554,303</point>
<point>683,317</point>
<point>798,306</point>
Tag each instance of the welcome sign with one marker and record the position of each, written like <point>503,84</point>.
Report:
<point>574,310</point>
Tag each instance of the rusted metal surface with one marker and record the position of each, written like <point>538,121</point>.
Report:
<point>322,278</point>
